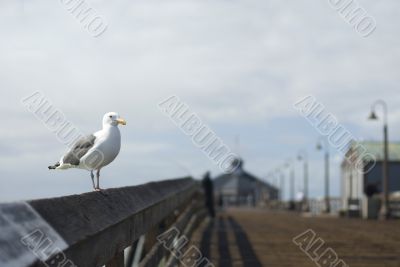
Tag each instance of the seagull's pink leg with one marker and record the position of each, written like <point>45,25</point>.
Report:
<point>98,180</point>
<point>92,176</point>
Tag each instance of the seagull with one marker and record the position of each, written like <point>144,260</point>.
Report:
<point>94,151</point>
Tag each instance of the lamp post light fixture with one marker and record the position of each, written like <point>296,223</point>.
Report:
<point>384,212</point>
<point>303,156</point>
<point>323,145</point>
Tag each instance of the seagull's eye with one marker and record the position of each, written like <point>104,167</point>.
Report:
<point>110,116</point>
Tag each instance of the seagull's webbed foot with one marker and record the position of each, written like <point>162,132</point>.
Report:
<point>101,191</point>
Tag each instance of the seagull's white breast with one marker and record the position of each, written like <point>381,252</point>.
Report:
<point>106,148</point>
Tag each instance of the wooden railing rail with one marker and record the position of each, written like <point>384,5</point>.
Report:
<point>94,229</point>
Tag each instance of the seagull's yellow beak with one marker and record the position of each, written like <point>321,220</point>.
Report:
<point>121,121</point>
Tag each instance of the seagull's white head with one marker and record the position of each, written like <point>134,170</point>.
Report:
<point>112,119</point>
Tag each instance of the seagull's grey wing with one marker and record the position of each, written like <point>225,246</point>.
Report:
<point>80,148</point>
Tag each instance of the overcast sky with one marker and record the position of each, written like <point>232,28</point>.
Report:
<point>240,65</point>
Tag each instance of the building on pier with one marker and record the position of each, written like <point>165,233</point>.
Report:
<point>362,177</point>
<point>240,188</point>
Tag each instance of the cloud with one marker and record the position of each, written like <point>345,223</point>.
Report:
<point>240,65</point>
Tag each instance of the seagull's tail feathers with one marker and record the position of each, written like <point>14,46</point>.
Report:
<point>54,166</point>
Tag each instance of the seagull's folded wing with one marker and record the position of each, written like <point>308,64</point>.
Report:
<point>80,148</point>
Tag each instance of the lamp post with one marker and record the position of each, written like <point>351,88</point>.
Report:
<point>282,183</point>
<point>385,209</point>
<point>290,164</point>
<point>302,156</point>
<point>325,146</point>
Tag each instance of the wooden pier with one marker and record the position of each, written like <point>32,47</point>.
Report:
<point>256,237</point>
